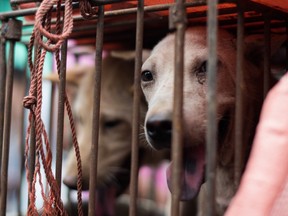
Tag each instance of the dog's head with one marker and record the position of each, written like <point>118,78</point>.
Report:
<point>115,125</point>
<point>158,84</point>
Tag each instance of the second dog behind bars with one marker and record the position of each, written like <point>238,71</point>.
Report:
<point>158,84</point>
<point>114,146</point>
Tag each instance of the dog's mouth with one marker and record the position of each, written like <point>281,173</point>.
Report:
<point>193,164</point>
<point>119,179</point>
<point>192,174</point>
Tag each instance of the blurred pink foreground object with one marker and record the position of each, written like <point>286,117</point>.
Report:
<point>263,189</point>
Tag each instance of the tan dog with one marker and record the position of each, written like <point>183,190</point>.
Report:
<point>114,150</point>
<point>157,85</point>
<point>115,124</point>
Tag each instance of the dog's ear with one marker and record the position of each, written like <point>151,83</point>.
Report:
<point>255,48</point>
<point>73,75</point>
<point>73,79</point>
<point>130,55</point>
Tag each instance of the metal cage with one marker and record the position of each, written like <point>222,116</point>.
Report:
<point>136,25</point>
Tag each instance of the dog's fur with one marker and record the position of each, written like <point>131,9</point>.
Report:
<point>158,91</point>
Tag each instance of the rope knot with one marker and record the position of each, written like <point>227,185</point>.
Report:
<point>29,101</point>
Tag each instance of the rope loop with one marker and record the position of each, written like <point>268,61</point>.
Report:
<point>56,39</point>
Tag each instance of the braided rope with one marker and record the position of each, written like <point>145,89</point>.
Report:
<point>53,204</point>
<point>86,9</point>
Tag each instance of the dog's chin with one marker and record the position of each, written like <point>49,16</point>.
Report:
<point>193,167</point>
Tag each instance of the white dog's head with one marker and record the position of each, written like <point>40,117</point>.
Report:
<point>158,83</point>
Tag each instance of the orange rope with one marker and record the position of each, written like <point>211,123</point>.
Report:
<point>53,204</point>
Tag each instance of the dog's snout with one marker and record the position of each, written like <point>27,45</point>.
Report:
<point>159,129</point>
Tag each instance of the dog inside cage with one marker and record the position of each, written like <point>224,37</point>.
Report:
<point>143,107</point>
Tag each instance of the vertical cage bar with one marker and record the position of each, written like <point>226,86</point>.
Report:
<point>267,53</point>
<point>51,111</point>
<point>22,144</point>
<point>177,134</point>
<point>60,121</point>
<point>7,128</point>
<point>211,135</point>
<point>136,110</point>
<point>286,45</point>
<point>2,88</point>
<point>239,97</point>
<point>96,112</point>
<point>32,144</point>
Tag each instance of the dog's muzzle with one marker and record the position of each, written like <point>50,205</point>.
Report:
<point>158,131</point>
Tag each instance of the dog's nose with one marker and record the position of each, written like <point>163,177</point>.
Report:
<point>159,131</point>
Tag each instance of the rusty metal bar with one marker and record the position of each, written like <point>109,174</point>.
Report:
<point>2,86</point>
<point>239,96</point>
<point>267,53</point>
<point>60,121</point>
<point>101,2</point>
<point>177,21</point>
<point>153,8</point>
<point>22,144</point>
<point>51,111</point>
<point>96,112</point>
<point>286,45</point>
<point>7,128</point>
<point>136,110</point>
<point>211,135</point>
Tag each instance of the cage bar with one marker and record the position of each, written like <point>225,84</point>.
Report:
<point>211,135</point>
<point>239,97</point>
<point>60,121</point>
<point>7,128</point>
<point>136,110</point>
<point>2,85</point>
<point>178,21</point>
<point>96,112</point>
<point>267,54</point>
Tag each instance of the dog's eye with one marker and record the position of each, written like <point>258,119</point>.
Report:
<point>146,76</point>
<point>203,67</point>
<point>201,72</point>
<point>112,123</point>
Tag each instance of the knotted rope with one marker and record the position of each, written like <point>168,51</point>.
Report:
<point>53,204</point>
